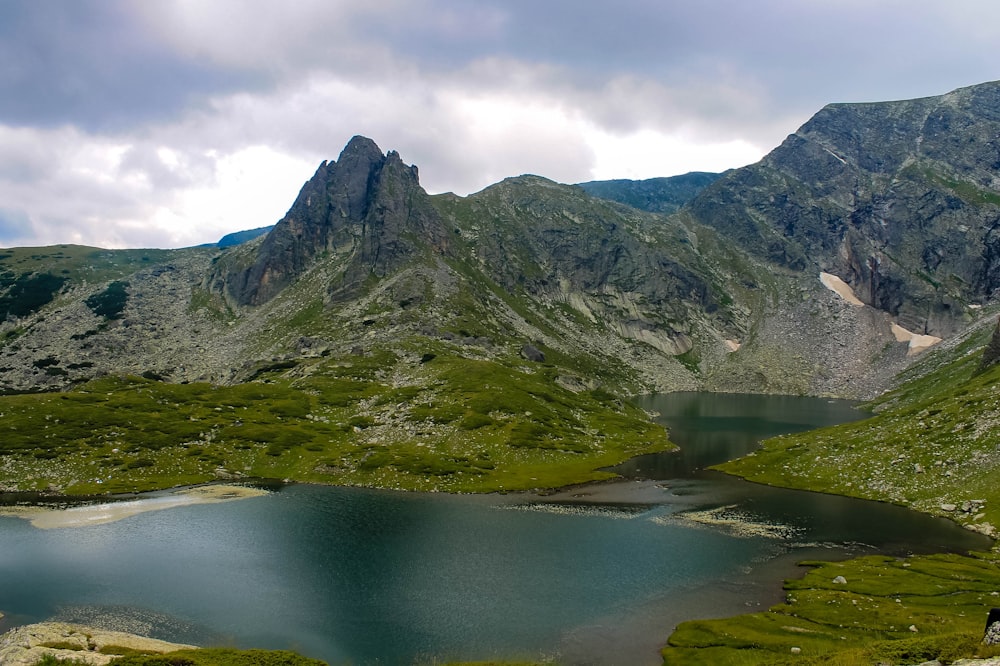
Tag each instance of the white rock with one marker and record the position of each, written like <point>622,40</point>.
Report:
<point>796,650</point>
<point>913,628</point>
<point>23,646</point>
<point>840,580</point>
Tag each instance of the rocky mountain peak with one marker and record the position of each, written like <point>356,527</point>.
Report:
<point>365,209</point>
<point>900,199</point>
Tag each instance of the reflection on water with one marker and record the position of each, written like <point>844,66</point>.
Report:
<point>712,428</point>
<point>591,575</point>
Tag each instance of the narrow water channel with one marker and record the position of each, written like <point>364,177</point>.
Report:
<point>594,575</point>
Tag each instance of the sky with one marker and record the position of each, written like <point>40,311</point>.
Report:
<point>169,123</point>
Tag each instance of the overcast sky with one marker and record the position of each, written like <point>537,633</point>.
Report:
<point>166,123</point>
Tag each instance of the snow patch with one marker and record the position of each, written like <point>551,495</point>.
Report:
<point>839,287</point>
<point>917,342</point>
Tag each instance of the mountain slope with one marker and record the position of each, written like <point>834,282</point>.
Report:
<point>655,195</point>
<point>900,199</point>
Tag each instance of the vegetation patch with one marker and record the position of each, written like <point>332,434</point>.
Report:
<point>466,425</point>
<point>219,657</point>
<point>29,292</point>
<point>111,302</point>
<point>870,610</point>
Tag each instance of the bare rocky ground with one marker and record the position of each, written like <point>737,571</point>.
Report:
<point>26,645</point>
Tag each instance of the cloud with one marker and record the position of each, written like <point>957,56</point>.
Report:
<point>161,123</point>
<point>84,63</point>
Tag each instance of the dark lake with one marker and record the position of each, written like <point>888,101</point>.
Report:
<point>598,574</point>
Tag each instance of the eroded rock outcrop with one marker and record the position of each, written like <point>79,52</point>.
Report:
<point>367,208</point>
<point>25,646</point>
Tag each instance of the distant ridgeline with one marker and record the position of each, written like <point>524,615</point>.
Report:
<point>240,237</point>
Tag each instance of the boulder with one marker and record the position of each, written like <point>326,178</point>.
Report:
<point>533,353</point>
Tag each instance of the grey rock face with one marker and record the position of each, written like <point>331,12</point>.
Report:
<point>900,199</point>
<point>533,353</point>
<point>367,207</point>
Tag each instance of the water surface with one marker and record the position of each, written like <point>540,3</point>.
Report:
<point>592,575</point>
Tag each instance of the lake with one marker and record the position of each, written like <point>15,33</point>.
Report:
<point>597,574</point>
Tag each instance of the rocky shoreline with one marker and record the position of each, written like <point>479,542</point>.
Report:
<point>26,645</point>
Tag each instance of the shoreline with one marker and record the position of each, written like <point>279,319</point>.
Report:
<point>27,644</point>
<point>83,515</point>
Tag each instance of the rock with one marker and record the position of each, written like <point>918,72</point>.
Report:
<point>24,646</point>
<point>532,353</point>
<point>796,650</point>
<point>992,634</point>
<point>366,206</point>
<point>840,580</point>
<point>991,354</point>
<point>575,384</point>
<point>918,468</point>
<point>948,507</point>
<point>913,628</point>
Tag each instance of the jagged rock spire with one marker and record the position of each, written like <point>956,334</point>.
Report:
<point>366,207</point>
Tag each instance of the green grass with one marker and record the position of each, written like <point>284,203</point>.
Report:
<point>219,657</point>
<point>866,620</point>
<point>462,425</point>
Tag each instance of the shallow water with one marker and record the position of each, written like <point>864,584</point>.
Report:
<point>593,575</point>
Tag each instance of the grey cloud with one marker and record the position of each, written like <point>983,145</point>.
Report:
<point>88,64</point>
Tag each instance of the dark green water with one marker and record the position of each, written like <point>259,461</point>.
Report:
<point>597,575</point>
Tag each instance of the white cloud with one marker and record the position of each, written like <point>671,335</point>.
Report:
<point>651,154</point>
<point>253,187</point>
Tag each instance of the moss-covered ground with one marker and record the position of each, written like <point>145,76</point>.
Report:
<point>205,657</point>
<point>453,424</point>
<point>888,611</point>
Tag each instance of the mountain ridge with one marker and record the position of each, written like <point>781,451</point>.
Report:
<point>723,294</point>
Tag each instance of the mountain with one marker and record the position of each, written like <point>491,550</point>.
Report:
<point>518,316</point>
<point>899,199</point>
<point>366,208</point>
<point>656,195</point>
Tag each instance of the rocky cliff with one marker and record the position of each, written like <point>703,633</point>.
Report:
<point>366,208</point>
<point>900,199</point>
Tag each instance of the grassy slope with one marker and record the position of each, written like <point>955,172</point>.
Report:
<point>944,419</point>
<point>866,620</point>
<point>465,425</point>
